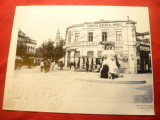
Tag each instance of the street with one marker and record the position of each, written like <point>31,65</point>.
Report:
<point>83,86</point>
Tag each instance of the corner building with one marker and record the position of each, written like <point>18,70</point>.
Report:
<point>90,40</point>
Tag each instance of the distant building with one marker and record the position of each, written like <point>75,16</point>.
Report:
<point>30,43</point>
<point>90,40</point>
<point>58,39</point>
<point>143,52</point>
<point>26,49</point>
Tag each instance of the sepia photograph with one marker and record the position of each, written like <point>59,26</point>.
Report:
<point>80,59</point>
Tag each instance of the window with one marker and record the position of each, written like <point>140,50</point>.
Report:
<point>104,36</point>
<point>133,32</point>
<point>99,53</point>
<point>119,35</point>
<point>90,54</point>
<point>90,36</point>
<point>77,54</point>
<point>76,37</point>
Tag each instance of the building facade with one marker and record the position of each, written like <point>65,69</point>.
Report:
<point>143,53</point>
<point>26,49</point>
<point>90,40</point>
<point>28,42</point>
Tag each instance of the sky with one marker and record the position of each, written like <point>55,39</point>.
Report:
<point>42,22</point>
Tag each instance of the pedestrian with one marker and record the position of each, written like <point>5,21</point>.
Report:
<point>52,66</point>
<point>42,66</point>
<point>104,69</point>
<point>87,65</point>
<point>61,65</point>
<point>98,67</point>
<point>45,66</point>
<point>72,64</point>
<point>117,62</point>
<point>91,65</point>
<point>49,64</point>
<point>112,68</point>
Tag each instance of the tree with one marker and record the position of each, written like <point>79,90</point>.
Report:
<point>21,49</point>
<point>47,50</point>
<point>59,51</point>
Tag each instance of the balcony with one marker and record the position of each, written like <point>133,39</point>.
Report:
<point>83,43</point>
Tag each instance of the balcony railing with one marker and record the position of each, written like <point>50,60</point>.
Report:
<point>95,43</point>
<point>83,43</point>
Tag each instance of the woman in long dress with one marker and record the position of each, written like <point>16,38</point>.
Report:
<point>112,68</point>
<point>105,69</point>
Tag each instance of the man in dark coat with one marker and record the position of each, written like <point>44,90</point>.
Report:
<point>87,65</point>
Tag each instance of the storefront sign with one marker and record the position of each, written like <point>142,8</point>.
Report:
<point>144,48</point>
<point>103,25</point>
<point>82,44</point>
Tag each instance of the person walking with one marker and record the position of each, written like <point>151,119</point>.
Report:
<point>48,65</point>
<point>61,65</point>
<point>45,66</point>
<point>87,65</point>
<point>42,66</point>
<point>72,64</point>
<point>52,66</point>
<point>105,68</point>
<point>112,68</point>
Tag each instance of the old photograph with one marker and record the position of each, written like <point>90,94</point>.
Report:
<point>80,59</point>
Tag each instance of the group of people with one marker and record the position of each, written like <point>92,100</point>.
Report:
<point>89,66</point>
<point>109,67</point>
<point>46,65</point>
<point>29,63</point>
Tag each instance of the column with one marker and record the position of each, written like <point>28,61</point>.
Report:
<point>66,58</point>
<point>76,62</point>
<point>81,62</point>
<point>132,60</point>
<point>94,62</point>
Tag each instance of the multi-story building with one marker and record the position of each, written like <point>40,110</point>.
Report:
<point>143,52</point>
<point>90,40</point>
<point>26,49</point>
<point>28,42</point>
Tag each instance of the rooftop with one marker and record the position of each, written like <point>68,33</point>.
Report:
<point>103,21</point>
